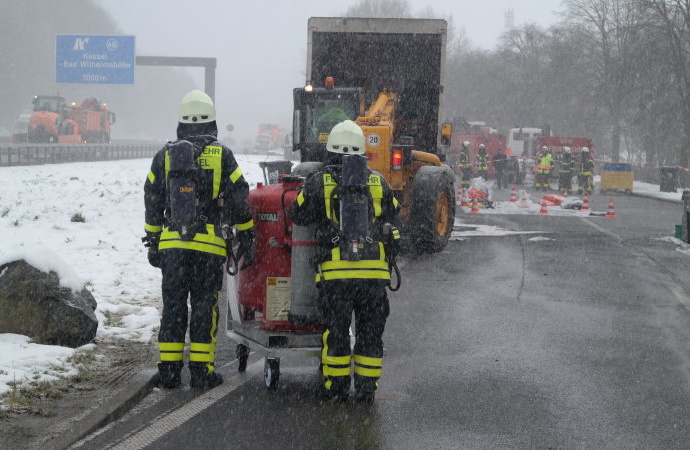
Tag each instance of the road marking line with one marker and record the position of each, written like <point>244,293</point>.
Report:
<point>164,424</point>
<point>679,293</point>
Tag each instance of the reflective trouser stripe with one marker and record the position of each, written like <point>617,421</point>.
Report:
<point>367,366</point>
<point>171,351</point>
<point>333,366</point>
<point>201,352</point>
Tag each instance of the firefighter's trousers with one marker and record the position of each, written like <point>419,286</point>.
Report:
<point>565,181</point>
<point>466,175</point>
<point>584,182</point>
<point>542,181</point>
<point>369,302</point>
<point>197,276</point>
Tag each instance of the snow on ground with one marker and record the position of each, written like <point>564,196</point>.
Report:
<point>40,212</point>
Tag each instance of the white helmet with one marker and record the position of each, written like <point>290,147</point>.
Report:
<point>566,149</point>
<point>466,144</point>
<point>482,146</point>
<point>545,148</point>
<point>346,138</point>
<point>196,107</point>
<point>585,150</point>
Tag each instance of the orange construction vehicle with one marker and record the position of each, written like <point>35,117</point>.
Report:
<point>54,121</point>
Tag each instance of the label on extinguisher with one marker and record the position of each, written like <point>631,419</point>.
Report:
<point>278,294</point>
<point>267,217</point>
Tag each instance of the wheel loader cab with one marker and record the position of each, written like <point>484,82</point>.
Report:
<point>316,111</point>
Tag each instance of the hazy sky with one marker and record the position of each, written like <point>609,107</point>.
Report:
<point>261,45</point>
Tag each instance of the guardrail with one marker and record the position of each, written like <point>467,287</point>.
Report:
<point>32,154</point>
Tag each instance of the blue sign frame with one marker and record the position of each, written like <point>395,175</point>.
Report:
<point>94,59</point>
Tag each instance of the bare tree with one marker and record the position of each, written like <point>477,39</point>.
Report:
<point>672,20</point>
<point>380,8</point>
<point>611,28</point>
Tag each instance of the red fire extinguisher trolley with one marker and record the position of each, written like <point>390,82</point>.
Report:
<point>272,304</point>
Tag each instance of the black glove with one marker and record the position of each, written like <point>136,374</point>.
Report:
<point>154,257</point>
<point>151,241</point>
<point>247,247</point>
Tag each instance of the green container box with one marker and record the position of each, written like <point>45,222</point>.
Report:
<point>679,232</point>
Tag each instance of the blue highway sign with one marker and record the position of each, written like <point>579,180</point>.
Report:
<point>94,59</point>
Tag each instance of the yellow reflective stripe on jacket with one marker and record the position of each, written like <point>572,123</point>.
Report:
<point>171,351</point>
<point>336,269</point>
<point>300,198</point>
<point>367,366</point>
<point>245,226</point>
<point>153,228</point>
<point>151,177</point>
<point>235,175</point>
<point>203,242</point>
<point>329,184</point>
<point>376,190</point>
<point>211,158</point>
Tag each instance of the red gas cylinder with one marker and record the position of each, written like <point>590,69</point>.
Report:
<point>264,288</point>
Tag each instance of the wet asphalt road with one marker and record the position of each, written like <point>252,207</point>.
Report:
<point>578,340</point>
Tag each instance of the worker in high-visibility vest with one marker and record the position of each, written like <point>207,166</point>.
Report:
<point>584,176</point>
<point>543,169</point>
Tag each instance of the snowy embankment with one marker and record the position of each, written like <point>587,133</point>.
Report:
<point>85,222</point>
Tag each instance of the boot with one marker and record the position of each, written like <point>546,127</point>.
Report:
<point>339,391</point>
<point>170,374</point>
<point>201,378</point>
<point>366,389</point>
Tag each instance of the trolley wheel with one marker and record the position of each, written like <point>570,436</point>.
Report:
<point>271,372</point>
<point>242,353</point>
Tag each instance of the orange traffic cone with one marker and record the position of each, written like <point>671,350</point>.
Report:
<point>459,194</point>
<point>524,200</point>
<point>543,209</point>
<point>475,207</point>
<point>585,202</point>
<point>611,213</point>
<point>513,195</point>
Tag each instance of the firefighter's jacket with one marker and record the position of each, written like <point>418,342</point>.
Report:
<point>221,191</point>
<point>463,160</point>
<point>566,164</point>
<point>318,203</point>
<point>545,163</point>
<point>482,161</point>
<point>586,166</point>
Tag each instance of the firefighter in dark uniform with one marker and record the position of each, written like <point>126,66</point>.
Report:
<point>483,163</point>
<point>584,176</point>
<point>464,165</point>
<point>348,284</point>
<point>192,260</point>
<point>500,161</point>
<point>565,171</point>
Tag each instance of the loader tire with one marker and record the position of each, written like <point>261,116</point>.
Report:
<point>433,210</point>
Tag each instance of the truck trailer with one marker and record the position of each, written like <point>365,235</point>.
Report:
<point>386,75</point>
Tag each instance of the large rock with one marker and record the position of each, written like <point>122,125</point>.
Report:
<point>33,303</point>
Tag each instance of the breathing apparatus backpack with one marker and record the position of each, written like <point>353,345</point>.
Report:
<point>356,208</point>
<point>183,183</point>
